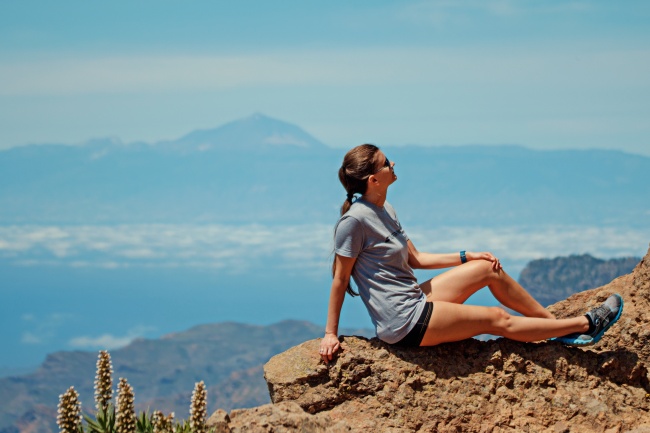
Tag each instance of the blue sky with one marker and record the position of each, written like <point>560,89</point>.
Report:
<point>545,74</point>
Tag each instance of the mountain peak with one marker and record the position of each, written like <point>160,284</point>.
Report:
<point>255,132</point>
<point>257,116</point>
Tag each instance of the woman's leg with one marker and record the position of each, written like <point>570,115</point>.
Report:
<point>459,283</point>
<point>454,322</point>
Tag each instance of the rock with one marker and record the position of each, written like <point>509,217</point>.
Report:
<point>470,386</point>
<point>282,417</point>
<point>219,421</point>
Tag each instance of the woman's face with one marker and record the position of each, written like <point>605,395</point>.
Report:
<point>385,168</point>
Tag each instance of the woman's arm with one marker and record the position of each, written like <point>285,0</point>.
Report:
<point>418,260</point>
<point>330,343</point>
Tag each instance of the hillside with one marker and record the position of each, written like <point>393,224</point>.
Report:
<point>553,280</point>
<point>227,356</point>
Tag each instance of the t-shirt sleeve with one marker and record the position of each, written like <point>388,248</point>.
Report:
<point>348,237</point>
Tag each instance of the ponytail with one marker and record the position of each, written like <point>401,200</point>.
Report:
<point>347,203</point>
<point>358,164</point>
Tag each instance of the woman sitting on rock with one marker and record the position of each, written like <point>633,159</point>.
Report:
<point>373,249</point>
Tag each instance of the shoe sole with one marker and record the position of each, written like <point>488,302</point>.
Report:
<point>573,342</point>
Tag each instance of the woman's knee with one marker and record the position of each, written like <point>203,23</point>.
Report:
<point>484,269</point>
<point>501,320</point>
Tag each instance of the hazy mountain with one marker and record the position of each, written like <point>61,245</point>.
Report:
<point>227,356</point>
<point>264,170</point>
<point>552,280</point>
<point>256,133</point>
<point>253,170</point>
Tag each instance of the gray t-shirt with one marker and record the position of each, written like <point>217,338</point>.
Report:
<point>385,280</point>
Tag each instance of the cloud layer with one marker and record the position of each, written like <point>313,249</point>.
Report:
<point>232,249</point>
<point>302,249</point>
<point>539,71</point>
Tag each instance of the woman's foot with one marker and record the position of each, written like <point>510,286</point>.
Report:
<point>600,320</point>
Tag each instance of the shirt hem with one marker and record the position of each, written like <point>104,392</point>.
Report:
<point>398,337</point>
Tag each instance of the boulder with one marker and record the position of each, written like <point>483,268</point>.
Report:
<point>470,386</point>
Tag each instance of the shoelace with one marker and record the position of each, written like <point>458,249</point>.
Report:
<point>600,314</point>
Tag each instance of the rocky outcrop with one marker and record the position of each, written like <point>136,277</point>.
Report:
<point>469,386</point>
<point>553,280</point>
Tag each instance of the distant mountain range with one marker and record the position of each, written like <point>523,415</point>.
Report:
<point>227,356</point>
<point>262,170</point>
<point>553,280</point>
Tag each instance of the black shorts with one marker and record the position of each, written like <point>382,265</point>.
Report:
<point>414,338</point>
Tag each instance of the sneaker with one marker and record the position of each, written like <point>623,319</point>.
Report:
<point>602,317</point>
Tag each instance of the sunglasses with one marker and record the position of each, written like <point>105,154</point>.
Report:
<point>386,164</point>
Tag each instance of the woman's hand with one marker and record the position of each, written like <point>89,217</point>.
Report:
<point>496,264</point>
<point>329,345</point>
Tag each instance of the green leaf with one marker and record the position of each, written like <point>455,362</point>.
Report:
<point>104,421</point>
<point>143,423</point>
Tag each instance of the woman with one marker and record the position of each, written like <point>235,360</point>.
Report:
<point>373,249</point>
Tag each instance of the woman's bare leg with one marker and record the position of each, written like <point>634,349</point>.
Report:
<point>454,322</point>
<point>459,283</point>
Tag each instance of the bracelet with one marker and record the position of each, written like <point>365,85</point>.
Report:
<point>463,257</point>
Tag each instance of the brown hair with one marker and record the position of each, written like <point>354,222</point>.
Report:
<point>358,165</point>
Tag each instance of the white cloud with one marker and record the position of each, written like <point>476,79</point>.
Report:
<point>519,245</point>
<point>105,341</point>
<point>548,67</point>
<point>30,338</point>
<point>446,13</point>
<point>305,248</point>
<point>146,73</point>
<point>42,329</point>
<point>109,341</point>
<point>139,253</point>
<point>104,264</point>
